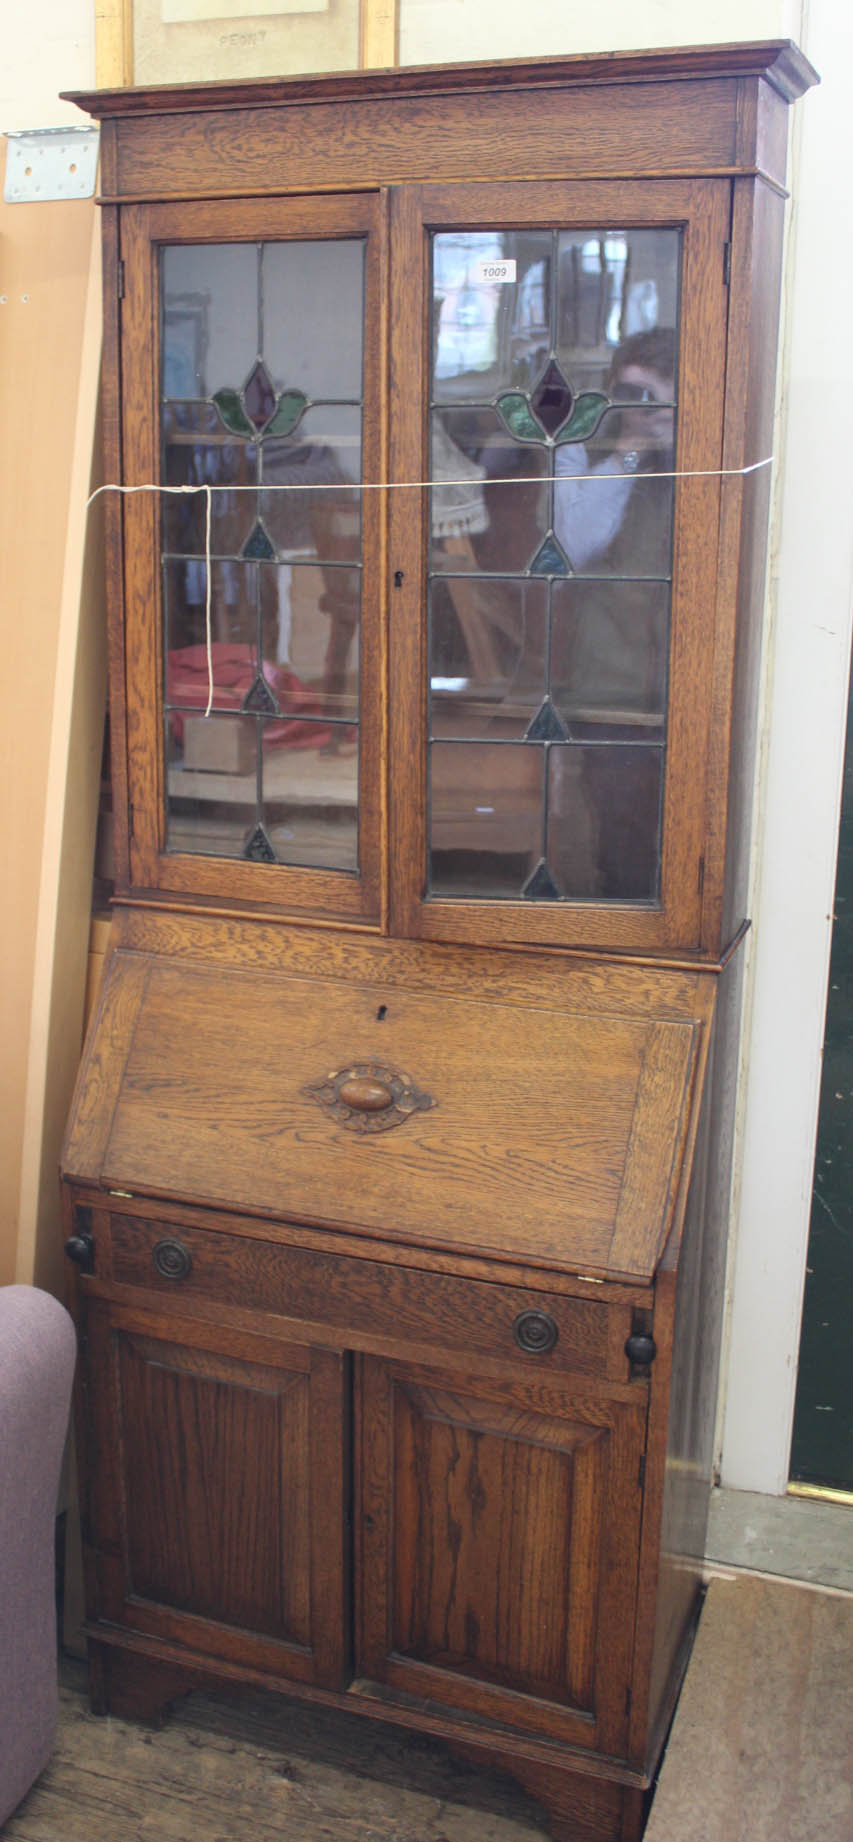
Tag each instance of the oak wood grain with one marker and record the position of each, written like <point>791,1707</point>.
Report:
<point>474,1502</point>
<point>526,1144</point>
<point>366,1296</point>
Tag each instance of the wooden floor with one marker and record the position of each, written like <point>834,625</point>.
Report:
<point>259,1768</point>
<point>760,1752</point>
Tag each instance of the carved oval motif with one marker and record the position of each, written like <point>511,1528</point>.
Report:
<point>365,1095</point>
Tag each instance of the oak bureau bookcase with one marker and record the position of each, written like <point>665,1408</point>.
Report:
<point>396,1177</point>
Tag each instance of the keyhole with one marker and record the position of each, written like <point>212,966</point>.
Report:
<point>382,1012</point>
<point>398,578</point>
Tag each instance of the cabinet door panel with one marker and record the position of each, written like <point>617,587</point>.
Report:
<point>217,1510</point>
<point>561,687</point>
<point>500,1576</point>
<point>253,653</point>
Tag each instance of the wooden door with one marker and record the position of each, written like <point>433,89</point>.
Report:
<point>216,1490</point>
<point>558,371</point>
<point>498,1529</point>
<point>251,683</point>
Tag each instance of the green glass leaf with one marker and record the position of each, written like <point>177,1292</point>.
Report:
<point>519,417</point>
<point>290,410</point>
<point>232,413</point>
<point>585,417</point>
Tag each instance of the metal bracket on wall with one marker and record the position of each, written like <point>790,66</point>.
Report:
<point>50,163</point>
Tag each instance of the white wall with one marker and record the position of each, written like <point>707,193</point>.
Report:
<point>432,30</point>
<point>48,46</point>
<point>812,596</point>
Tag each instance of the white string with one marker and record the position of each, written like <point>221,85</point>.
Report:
<point>548,479</point>
<point>208,603</point>
<point>698,473</point>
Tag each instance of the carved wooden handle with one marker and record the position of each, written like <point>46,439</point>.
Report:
<point>172,1259</point>
<point>365,1094</point>
<point>369,1097</point>
<point>535,1332</point>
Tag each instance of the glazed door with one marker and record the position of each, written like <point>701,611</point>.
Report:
<point>558,381</point>
<point>217,1471</point>
<point>253,576</point>
<point>499,1530</point>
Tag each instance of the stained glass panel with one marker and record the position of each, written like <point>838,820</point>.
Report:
<point>261,375</point>
<point>553,404</point>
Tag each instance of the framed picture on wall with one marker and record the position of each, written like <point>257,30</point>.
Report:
<point>187,41</point>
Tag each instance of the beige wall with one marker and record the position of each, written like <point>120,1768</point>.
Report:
<point>45,284</point>
<point>47,251</point>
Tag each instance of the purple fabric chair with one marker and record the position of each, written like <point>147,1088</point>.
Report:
<point>37,1352</point>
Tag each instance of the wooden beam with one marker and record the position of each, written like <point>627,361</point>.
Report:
<point>113,43</point>
<point>379,34</point>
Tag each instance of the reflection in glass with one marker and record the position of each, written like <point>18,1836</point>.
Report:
<point>554,394</point>
<point>503,523</point>
<point>609,655</point>
<point>311,801</point>
<point>603,833</point>
<point>263,788</point>
<point>236,592</point>
<point>313,313</point>
<point>324,453</point>
<point>488,647</point>
<point>262,381</point>
<point>485,817</point>
<point>197,452</point>
<point>211,797</point>
<point>210,316</point>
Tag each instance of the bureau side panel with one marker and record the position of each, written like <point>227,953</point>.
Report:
<point>695,1285</point>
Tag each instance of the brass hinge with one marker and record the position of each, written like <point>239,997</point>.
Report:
<point>701,876</point>
<point>641,1472</point>
<point>727,264</point>
<point>120,280</point>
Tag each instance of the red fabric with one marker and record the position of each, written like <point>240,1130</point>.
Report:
<point>234,673</point>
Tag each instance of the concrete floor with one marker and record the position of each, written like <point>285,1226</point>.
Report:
<point>760,1750</point>
<point>797,1537</point>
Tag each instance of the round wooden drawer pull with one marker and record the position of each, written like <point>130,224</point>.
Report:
<point>535,1332</point>
<point>172,1260</point>
<point>365,1095</point>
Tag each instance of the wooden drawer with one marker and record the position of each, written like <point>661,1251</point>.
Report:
<point>362,1299</point>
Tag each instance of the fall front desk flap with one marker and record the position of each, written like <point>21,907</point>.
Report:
<point>539,1134</point>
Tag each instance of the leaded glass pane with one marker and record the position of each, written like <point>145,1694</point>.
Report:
<point>315,611</point>
<point>488,655</point>
<point>503,524</point>
<point>311,795</point>
<point>553,406</point>
<point>197,452</point>
<point>609,656</point>
<point>485,817</point>
<point>313,313</point>
<point>235,598</point>
<point>210,317</point>
<point>261,378</point>
<point>323,454</point>
<point>603,833</point>
<point>211,797</point>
